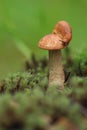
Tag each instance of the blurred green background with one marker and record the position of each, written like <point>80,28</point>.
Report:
<point>24,22</point>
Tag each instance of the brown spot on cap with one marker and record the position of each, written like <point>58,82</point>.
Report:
<point>51,42</point>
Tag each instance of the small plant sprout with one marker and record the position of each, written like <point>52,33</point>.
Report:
<point>54,42</point>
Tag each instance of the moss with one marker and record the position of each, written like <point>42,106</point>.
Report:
<point>26,102</point>
<point>22,81</point>
<point>36,110</point>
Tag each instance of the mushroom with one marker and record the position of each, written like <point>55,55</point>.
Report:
<point>54,42</point>
<point>64,31</point>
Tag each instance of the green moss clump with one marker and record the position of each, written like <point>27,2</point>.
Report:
<point>26,101</point>
<point>36,110</point>
<point>22,81</point>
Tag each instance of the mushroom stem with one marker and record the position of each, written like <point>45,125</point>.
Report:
<point>56,72</point>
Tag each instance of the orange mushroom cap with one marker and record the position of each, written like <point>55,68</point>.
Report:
<point>51,42</point>
<point>59,39</point>
<point>63,30</point>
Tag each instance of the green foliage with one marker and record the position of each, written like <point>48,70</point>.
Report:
<point>31,107</point>
<point>35,110</point>
<point>22,81</point>
<point>26,101</point>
